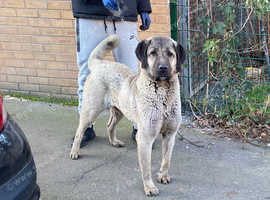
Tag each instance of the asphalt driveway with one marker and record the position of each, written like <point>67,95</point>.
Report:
<point>223,169</point>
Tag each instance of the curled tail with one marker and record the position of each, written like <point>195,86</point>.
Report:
<point>107,45</point>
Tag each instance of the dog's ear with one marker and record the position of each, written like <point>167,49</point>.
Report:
<point>141,52</point>
<point>181,56</point>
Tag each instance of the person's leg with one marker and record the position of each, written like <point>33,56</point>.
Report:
<point>125,52</point>
<point>87,39</point>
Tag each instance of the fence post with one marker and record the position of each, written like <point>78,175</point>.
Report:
<point>265,47</point>
<point>173,13</point>
<point>183,36</point>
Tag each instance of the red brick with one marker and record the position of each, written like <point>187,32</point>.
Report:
<point>160,28</point>
<point>7,29</point>
<point>3,78</point>
<point>17,21</point>
<point>62,82</point>
<point>13,3</point>
<point>12,62</point>
<point>27,12</point>
<point>15,38</point>
<point>144,34</point>
<point>66,58</point>
<point>8,12</point>
<point>160,19</point>
<point>36,64</point>
<point>17,79</point>
<point>22,38</point>
<point>72,67</point>
<point>27,30</point>
<point>53,40</point>
<point>70,91</point>
<point>9,46</point>
<point>59,5</point>
<point>62,23</point>
<point>66,14</point>
<point>160,9</point>
<point>43,73</point>
<point>70,50</point>
<point>31,47</point>
<point>8,70</point>
<point>3,20</point>
<point>39,22</point>
<point>9,86</point>
<point>46,22</point>
<point>7,54</point>
<point>56,73</point>
<point>28,87</point>
<point>24,55</point>
<point>36,4</point>
<point>50,13</point>
<point>26,72</point>
<point>38,80</point>
<point>57,31</point>
<point>4,38</point>
<point>43,56</point>
<point>54,65</point>
<point>160,2</point>
<point>50,89</point>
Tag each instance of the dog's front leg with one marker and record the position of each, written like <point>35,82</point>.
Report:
<point>144,146</point>
<point>74,154</point>
<point>168,141</point>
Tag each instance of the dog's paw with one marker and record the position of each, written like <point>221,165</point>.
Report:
<point>151,191</point>
<point>74,155</point>
<point>164,179</point>
<point>117,143</point>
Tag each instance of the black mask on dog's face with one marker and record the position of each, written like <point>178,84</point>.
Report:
<point>161,57</point>
<point>141,52</point>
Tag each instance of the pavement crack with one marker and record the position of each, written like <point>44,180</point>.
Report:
<point>99,165</point>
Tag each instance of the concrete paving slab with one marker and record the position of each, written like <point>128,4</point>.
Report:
<point>223,169</point>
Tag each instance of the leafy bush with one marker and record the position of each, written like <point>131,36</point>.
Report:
<point>254,103</point>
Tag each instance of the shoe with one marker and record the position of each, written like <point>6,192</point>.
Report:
<point>88,135</point>
<point>133,136</point>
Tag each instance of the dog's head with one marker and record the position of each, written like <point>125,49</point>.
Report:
<point>161,57</point>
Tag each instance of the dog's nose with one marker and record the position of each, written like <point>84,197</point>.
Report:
<point>163,67</point>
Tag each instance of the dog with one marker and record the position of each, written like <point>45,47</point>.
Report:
<point>150,98</point>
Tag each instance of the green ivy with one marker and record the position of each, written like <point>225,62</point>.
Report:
<point>242,98</point>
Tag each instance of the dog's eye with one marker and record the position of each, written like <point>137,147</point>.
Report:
<point>153,53</point>
<point>169,54</point>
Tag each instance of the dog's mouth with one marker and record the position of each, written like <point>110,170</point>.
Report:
<point>163,74</point>
<point>163,77</point>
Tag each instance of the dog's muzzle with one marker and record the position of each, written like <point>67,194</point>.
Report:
<point>163,71</point>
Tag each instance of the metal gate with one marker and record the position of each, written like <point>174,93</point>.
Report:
<point>193,33</point>
<point>193,75</point>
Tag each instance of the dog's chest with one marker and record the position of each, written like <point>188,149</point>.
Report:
<point>162,102</point>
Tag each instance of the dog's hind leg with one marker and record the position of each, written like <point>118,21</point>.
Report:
<point>86,117</point>
<point>115,117</point>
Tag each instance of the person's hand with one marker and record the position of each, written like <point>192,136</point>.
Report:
<point>111,4</point>
<point>146,21</point>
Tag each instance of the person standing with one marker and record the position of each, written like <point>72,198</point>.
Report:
<point>95,20</point>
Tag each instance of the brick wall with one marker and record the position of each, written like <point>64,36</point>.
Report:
<point>37,45</point>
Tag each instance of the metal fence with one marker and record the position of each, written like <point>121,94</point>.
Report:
<point>227,44</point>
